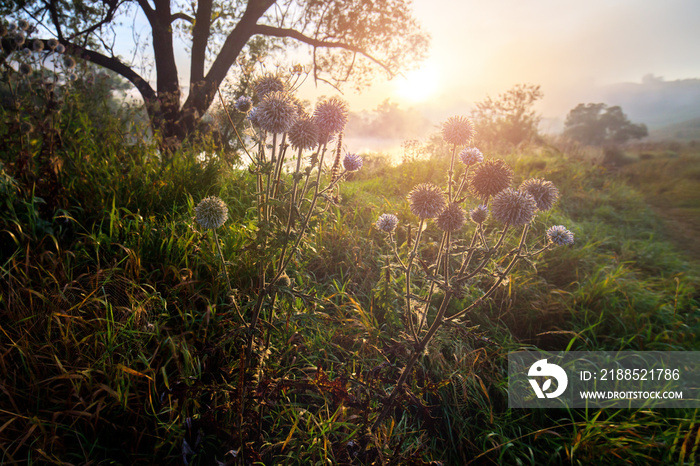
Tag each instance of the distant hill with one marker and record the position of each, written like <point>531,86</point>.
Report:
<point>684,131</point>
<point>656,102</point>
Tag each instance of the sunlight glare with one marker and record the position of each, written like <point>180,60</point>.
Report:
<point>417,85</point>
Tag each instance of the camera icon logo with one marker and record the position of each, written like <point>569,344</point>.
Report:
<point>542,368</point>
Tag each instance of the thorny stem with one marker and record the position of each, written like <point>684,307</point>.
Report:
<point>501,277</point>
<point>409,264</point>
<point>230,120</point>
<point>420,347</point>
<point>290,219</point>
<point>451,173</point>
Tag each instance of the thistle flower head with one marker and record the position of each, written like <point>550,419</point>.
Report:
<point>303,134</point>
<point>458,130</point>
<point>25,69</point>
<point>284,280</point>
<point>513,207</point>
<point>211,212</point>
<point>490,178</point>
<point>243,104</point>
<point>426,200</point>
<point>52,44</point>
<point>23,25</point>
<point>277,112</point>
<point>387,223</point>
<point>452,218</point>
<point>253,116</point>
<point>68,62</point>
<point>471,156</point>
<point>479,214</point>
<point>267,84</point>
<point>352,162</point>
<point>19,38</point>
<point>544,192</point>
<point>559,235</point>
<point>331,115</point>
<point>12,27</point>
<point>60,48</point>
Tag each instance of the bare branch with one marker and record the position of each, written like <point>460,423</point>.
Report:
<point>108,18</point>
<point>183,16</point>
<point>272,31</point>
<point>113,64</point>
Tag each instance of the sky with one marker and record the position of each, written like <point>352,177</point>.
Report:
<point>572,49</point>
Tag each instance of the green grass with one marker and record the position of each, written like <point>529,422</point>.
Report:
<point>121,344</point>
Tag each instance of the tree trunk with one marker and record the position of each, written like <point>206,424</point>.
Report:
<point>172,122</point>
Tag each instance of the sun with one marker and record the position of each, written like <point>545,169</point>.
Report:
<point>417,85</point>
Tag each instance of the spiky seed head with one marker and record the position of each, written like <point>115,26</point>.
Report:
<point>19,38</point>
<point>211,212</point>
<point>544,192</point>
<point>479,214</point>
<point>253,117</point>
<point>23,25</point>
<point>277,112</point>
<point>452,218</point>
<point>458,130</point>
<point>513,207</point>
<point>559,235</point>
<point>60,48</point>
<point>51,44</point>
<point>12,27</point>
<point>243,104</point>
<point>387,223</point>
<point>490,178</point>
<point>267,84</point>
<point>25,69</point>
<point>426,201</point>
<point>304,133</point>
<point>331,115</point>
<point>352,162</point>
<point>68,62</point>
<point>471,156</point>
<point>284,280</point>
<point>37,45</point>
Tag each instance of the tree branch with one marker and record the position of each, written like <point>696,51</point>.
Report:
<point>108,18</point>
<point>182,16</point>
<point>147,10</point>
<point>267,30</point>
<point>113,64</point>
<point>200,38</point>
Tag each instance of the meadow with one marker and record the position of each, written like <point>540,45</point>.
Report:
<point>122,343</point>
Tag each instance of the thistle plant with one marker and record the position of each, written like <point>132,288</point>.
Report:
<point>287,149</point>
<point>479,195</point>
<point>210,214</point>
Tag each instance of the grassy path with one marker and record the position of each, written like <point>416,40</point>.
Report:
<point>671,186</point>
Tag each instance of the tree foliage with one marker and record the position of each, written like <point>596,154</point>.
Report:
<point>598,124</point>
<point>510,118</point>
<point>347,40</point>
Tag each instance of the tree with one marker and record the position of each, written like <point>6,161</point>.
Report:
<point>510,118</point>
<point>347,40</point>
<point>598,124</point>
